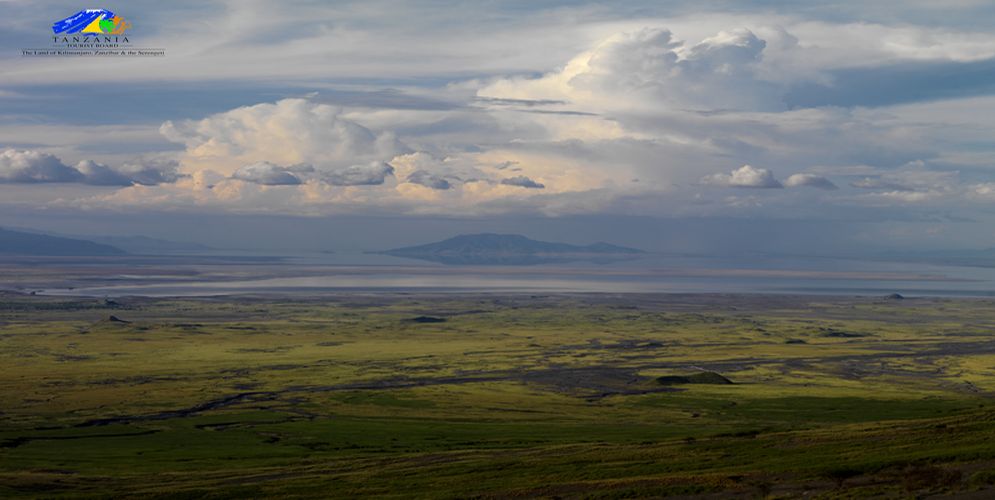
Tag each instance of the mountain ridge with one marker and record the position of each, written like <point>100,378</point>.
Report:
<point>22,243</point>
<point>495,248</point>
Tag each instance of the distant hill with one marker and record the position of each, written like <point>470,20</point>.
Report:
<point>144,245</point>
<point>20,243</point>
<point>512,249</point>
<point>138,245</point>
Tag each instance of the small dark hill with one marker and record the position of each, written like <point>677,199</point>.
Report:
<point>895,296</point>
<point>115,320</point>
<point>711,378</point>
<point>20,243</point>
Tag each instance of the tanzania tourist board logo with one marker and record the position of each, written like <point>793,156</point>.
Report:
<point>94,33</point>
<point>92,21</point>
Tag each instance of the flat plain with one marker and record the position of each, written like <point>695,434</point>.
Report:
<point>497,396</point>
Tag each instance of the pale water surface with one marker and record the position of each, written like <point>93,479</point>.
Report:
<point>312,273</point>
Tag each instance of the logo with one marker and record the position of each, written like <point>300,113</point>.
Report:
<point>91,22</point>
<point>92,33</point>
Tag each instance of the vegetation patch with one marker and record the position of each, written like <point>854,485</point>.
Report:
<point>573,396</point>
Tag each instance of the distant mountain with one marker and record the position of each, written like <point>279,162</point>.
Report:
<point>20,243</point>
<point>138,245</point>
<point>144,245</point>
<point>510,249</point>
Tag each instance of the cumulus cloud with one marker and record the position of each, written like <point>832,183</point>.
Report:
<point>810,180</point>
<point>267,174</point>
<point>744,177</point>
<point>370,174</point>
<point>651,68</point>
<point>35,167</point>
<point>151,171</point>
<point>289,131</point>
<point>101,175</point>
<point>30,167</point>
<point>522,181</point>
<point>429,180</point>
<point>637,105</point>
<point>441,173</point>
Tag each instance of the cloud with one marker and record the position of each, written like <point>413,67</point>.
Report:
<point>151,171</point>
<point>31,167</point>
<point>363,44</point>
<point>913,176</point>
<point>916,183</point>
<point>744,177</point>
<point>34,167</point>
<point>903,197</point>
<point>370,174</point>
<point>522,181</point>
<point>982,192</point>
<point>810,180</point>
<point>428,179</point>
<point>879,183</point>
<point>616,101</point>
<point>267,174</point>
<point>446,173</point>
<point>289,131</point>
<point>651,68</point>
<point>101,175</point>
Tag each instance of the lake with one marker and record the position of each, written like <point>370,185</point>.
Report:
<point>313,273</point>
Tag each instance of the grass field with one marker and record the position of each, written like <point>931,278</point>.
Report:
<point>586,396</point>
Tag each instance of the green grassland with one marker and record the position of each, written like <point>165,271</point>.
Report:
<point>571,396</point>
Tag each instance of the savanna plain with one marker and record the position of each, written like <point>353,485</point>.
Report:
<point>497,396</point>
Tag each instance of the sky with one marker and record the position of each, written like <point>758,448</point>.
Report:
<point>707,126</point>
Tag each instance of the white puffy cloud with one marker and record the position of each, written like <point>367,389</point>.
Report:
<point>744,177</point>
<point>810,180</point>
<point>650,69</point>
<point>634,113</point>
<point>289,131</point>
<point>34,167</point>
<point>31,167</point>
<point>424,169</point>
<point>101,175</point>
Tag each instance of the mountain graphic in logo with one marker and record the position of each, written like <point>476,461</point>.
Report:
<point>91,21</point>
